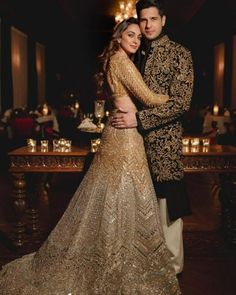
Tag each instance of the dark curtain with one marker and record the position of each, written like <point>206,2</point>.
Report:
<point>6,70</point>
<point>32,99</point>
<point>228,72</point>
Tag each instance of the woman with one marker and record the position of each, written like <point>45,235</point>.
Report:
<point>109,240</point>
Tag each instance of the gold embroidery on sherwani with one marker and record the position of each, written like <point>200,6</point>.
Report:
<point>109,241</point>
<point>168,70</point>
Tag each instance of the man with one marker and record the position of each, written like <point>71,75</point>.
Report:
<point>166,68</point>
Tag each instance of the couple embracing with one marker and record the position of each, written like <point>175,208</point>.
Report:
<point>122,231</point>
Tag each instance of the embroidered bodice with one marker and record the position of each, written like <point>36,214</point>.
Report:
<point>125,80</point>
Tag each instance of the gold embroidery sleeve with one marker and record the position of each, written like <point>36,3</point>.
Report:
<point>128,75</point>
<point>180,92</point>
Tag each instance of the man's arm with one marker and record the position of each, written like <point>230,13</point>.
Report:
<point>124,119</point>
<point>180,93</point>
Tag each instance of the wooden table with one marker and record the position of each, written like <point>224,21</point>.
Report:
<point>22,161</point>
<point>221,160</point>
<point>213,159</point>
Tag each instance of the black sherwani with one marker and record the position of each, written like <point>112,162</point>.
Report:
<point>167,68</point>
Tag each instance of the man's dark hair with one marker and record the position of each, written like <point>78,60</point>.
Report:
<point>142,4</point>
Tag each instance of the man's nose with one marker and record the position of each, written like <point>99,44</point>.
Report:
<point>148,24</point>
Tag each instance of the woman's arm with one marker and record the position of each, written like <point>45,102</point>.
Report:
<point>126,72</point>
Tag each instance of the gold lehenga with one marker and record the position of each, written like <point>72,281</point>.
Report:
<point>109,240</point>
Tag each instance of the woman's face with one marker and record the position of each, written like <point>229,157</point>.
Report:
<point>130,39</point>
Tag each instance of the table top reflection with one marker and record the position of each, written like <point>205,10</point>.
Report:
<point>211,150</point>
<point>209,159</point>
<point>74,151</point>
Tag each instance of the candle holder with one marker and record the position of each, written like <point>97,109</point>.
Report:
<point>98,141</point>
<point>55,145</point>
<point>31,144</point>
<point>99,124</point>
<point>99,111</point>
<point>94,145</point>
<point>44,145</point>
<point>62,144</point>
<point>185,141</point>
<point>195,142</point>
<point>206,141</point>
<point>68,146</point>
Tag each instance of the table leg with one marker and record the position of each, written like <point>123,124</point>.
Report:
<point>228,206</point>
<point>33,190</point>
<point>19,200</point>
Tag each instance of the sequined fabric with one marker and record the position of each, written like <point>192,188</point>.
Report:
<point>109,240</point>
<point>125,79</point>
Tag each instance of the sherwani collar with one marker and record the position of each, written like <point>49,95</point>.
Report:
<point>146,48</point>
<point>160,40</point>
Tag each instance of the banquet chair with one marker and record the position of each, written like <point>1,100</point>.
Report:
<point>46,130</point>
<point>22,128</point>
<point>67,123</point>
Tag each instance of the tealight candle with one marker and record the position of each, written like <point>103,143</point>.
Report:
<point>205,141</point>
<point>45,110</point>
<point>44,145</point>
<point>215,110</point>
<point>98,141</point>
<point>31,144</point>
<point>76,105</point>
<point>94,145</point>
<point>68,146</point>
<point>61,144</point>
<point>185,141</point>
<point>55,144</point>
<point>195,142</point>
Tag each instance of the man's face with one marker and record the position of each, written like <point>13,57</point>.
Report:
<point>151,23</point>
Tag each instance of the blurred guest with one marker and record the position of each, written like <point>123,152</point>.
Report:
<point>213,132</point>
<point>228,138</point>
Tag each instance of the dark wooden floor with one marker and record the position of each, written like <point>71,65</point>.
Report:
<point>210,265</point>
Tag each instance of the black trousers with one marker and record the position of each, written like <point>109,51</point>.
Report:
<point>177,199</point>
